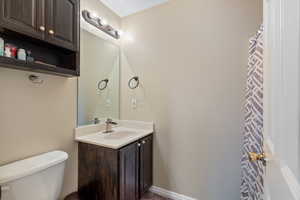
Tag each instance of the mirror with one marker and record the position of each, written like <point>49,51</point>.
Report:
<point>98,84</point>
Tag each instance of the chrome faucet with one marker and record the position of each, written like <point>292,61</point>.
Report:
<point>108,125</point>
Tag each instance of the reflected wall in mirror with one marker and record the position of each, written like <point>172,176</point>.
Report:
<point>98,84</point>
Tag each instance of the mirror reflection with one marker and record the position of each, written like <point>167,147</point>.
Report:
<point>98,85</point>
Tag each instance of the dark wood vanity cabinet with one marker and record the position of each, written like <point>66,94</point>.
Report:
<point>48,28</point>
<point>108,174</point>
<point>145,165</point>
<point>129,172</point>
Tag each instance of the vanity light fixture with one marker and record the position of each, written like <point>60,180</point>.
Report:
<point>100,23</point>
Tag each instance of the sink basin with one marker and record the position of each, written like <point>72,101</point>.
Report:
<point>120,137</point>
<point>117,135</point>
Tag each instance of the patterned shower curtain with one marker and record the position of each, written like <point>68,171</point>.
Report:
<point>252,187</point>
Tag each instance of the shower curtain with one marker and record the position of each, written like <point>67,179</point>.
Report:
<point>252,186</point>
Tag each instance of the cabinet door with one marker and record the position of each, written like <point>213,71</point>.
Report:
<point>23,16</point>
<point>87,171</point>
<point>146,165</point>
<point>62,23</point>
<point>129,172</point>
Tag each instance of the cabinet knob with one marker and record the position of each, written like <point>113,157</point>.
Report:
<point>143,142</point>
<point>139,144</point>
<point>42,28</point>
<point>51,32</point>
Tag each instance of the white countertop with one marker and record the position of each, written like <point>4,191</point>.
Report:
<point>124,134</point>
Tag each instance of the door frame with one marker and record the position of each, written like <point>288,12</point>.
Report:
<point>281,98</point>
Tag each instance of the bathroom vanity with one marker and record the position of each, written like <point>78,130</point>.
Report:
<point>115,166</point>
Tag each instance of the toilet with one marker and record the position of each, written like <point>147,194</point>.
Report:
<point>36,178</point>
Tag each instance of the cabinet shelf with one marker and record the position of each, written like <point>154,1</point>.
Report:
<point>36,67</point>
<point>50,30</point>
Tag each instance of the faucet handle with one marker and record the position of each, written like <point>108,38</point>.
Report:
<point>110,121</point>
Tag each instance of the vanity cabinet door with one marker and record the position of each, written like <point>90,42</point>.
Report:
<point>63,23</point>
<point>87,171</point>
<point>23,16</point>
<point>146,164</point>
<point>129,172</point>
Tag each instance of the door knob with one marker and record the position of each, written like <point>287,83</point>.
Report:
<point>51,32</point>
<point>42,28</point>
<point>253,157</point>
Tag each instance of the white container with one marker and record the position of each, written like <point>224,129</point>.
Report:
<point>7,52</point>
<point>36,178</point>
<point>22,54</point>
<point>1,47</point>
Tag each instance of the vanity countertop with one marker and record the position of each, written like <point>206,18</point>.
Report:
<point>123,134</point>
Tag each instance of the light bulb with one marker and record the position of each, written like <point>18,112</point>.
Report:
<point>94,15</point>
<point>120,32</point>
<point>104,22</point>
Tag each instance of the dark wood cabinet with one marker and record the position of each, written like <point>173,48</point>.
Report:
<point>146,165</point>
<point>50,29</point>
<point>26,17</point>
<point>129,182</point>
<point>62,17</point>
<point>109,174</point>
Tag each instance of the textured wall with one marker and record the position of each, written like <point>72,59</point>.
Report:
<point>191,56</point>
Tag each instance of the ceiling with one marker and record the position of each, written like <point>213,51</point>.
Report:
<point>127,7</point>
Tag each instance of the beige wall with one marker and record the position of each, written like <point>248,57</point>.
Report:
<point>37,118</point>
<point>193,82</point>
<point>191,56</point>
<point>40,118</point>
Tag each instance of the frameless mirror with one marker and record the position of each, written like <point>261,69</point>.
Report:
<point>98,84</point>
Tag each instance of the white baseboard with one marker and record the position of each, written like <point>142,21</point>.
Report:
<point>169,194</point>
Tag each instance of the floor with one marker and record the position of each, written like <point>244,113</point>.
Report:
<point>148,196</point>
<point>152,196</point>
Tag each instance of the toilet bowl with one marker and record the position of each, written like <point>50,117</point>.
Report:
<point>35,178</point>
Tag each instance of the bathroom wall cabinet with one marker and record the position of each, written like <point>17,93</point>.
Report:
<point>109,174</point>
<point>48,28</point>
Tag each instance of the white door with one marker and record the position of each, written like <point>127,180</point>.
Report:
<point>281,99</point>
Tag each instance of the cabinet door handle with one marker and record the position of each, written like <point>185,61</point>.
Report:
<point>143,142</point>
<point>42,28</point>
<point>51,32</point>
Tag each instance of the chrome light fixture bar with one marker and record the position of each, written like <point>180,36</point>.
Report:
<point>100,24</point>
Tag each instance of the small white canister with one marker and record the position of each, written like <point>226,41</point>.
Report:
<point>22,54</point>
<point>1,47</point>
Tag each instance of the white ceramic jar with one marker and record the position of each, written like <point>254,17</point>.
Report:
<point>22,54</point>
<point>1,47</point>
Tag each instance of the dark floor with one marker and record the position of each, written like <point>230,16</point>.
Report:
<point>148,196</point>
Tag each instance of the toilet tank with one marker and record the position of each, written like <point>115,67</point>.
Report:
<point>35,178</point>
